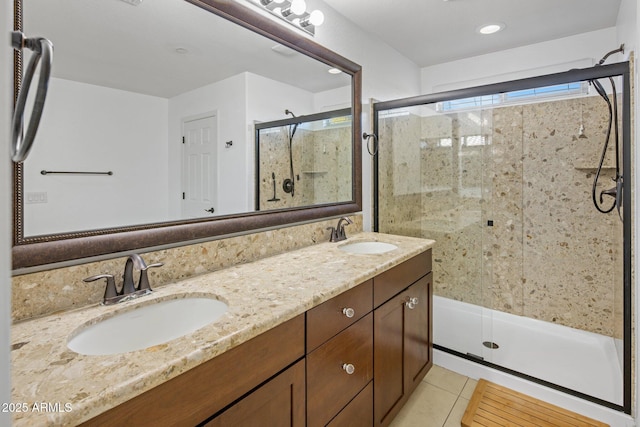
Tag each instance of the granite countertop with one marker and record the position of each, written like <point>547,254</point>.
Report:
<point>261,295</point>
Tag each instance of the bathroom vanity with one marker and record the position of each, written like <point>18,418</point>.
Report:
<point>316,336</point>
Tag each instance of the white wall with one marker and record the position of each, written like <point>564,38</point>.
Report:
<point>386,75</point>
<point>227,99</point>
<point>267,100</point>
<point>93,128</point>
<point>333,99</point>
<point>582,50</point>
<point>238,101</point>
<point>6,88</point>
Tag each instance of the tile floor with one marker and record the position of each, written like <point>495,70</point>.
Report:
<point>439,400</point>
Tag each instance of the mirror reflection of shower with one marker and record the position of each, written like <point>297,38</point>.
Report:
<point>307,156</point>
<point>288,184</point>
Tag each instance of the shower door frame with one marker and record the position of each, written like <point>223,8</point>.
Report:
<point>622,70</point>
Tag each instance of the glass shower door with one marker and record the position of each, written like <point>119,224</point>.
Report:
<point>433,183</point>
<point>528,276</point>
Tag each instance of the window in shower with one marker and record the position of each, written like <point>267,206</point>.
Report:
<point>517,96</point>
<point>528,276</point>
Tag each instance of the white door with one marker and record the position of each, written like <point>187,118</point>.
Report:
<point>200,168</point>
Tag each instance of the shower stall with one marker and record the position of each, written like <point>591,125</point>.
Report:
<point>303,160</point>
<point>529,277</point>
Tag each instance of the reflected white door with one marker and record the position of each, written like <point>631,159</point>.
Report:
<point>200,168</point>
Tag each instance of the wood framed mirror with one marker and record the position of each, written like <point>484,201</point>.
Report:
<point>35,245</point>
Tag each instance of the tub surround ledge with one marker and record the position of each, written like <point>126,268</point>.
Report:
<point>56,386</point>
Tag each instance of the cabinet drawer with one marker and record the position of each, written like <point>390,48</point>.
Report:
<point>331,317</point>
<point>329,386</point>
<point>394,280</point>
<point>358,413</point>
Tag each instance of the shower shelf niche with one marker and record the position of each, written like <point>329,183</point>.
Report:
<point>586,165</point>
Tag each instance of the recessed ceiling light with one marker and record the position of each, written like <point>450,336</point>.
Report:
<point>491,28</point>
<point>334,71</point>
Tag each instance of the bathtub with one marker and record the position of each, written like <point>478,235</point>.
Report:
<point>577,360</point>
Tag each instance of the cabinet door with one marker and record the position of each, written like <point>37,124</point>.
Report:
<point>358,413</point>
<point>418,347</point>
<point>388,382</point>
<point>402,352</point>
<point>278,403</point>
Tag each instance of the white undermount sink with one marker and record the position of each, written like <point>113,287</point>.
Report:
<point>368,248</point>
<point>147,325</point>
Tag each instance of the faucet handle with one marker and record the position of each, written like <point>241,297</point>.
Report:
<point>143,284</point>
<point>333,235</point>
<point>110,291</point>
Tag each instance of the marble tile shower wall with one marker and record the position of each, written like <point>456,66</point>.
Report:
<point>38,294</point>
<point>549,254</point>
<point>321,162</point>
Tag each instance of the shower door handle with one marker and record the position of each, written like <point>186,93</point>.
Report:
<point>43,51</point>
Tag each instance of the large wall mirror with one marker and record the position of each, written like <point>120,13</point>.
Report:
<point>148,134</point>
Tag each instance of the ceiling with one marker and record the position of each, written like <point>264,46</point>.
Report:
<point>140,53</point>
<point>430,32</point>
<point>163,47</point>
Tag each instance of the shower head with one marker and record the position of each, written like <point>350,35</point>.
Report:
<point>289,112</point>
<point>604,58</point>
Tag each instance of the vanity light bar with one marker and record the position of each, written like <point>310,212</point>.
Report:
<point>293,12</point>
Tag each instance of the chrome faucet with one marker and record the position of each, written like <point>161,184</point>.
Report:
<point>128,290</point>
<point>337,232</point>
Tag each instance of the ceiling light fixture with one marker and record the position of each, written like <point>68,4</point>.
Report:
<point>334,71</point>
<point>491,28</point>
<point>294,12</point>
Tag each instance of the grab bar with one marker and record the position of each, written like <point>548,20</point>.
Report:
<point>42,48</point>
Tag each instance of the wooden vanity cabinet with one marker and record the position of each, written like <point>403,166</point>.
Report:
<point>278,403</point>
<point>352,361</point>
<point>402,336</point>
<point>206,390</point>
<point>358,413</point>
<point>340,358</point>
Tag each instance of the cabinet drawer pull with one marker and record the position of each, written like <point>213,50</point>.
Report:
<point>349,368</point>
<point>411,302</point>
<point>349,312</point>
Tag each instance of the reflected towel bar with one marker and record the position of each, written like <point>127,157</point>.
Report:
<point>44,172</point>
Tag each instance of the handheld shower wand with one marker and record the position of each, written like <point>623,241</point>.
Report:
<point>615,191</point>
<point>289,183</point>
